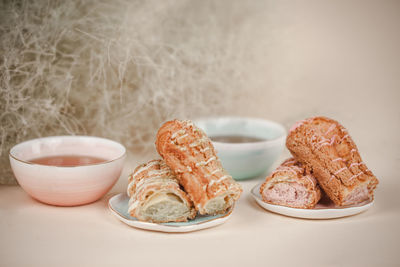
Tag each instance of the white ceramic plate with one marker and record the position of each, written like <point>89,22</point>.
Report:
<point>118,205</point>
<point>323,210</point>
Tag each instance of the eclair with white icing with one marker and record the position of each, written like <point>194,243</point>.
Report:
<point>292,186</point>
<point>155,195</point>
<point>188,151</point>
<point>326,148</point>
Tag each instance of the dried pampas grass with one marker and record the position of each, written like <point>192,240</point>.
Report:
<point>114,68</point>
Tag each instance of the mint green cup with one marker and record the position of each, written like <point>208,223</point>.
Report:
<point>246,160</point>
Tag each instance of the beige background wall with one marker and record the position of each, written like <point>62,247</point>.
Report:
<point>335,58</point>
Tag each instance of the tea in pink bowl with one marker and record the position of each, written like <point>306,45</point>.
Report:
<point>67,170</point>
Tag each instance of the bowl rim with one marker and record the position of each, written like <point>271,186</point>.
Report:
<point>68,137</point>
<point>252,145</point>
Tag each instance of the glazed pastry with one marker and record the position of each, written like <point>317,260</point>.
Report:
<point>155,195</point>
<point>326,148</point>
<point>189,153</point>
<point>290,185</point>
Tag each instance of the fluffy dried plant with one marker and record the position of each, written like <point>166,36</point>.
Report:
<point>115,69</point>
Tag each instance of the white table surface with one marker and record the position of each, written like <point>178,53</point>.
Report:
<point>36,234</point>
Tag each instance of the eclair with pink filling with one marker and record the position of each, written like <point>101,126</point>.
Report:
<point>325,147</point>
<point>290,185</point>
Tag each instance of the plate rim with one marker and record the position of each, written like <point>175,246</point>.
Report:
<point>317,214</point>
<point>161,227</point>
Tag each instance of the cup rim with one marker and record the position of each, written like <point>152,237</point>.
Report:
<point>252,145</point>
<point>67,137</point>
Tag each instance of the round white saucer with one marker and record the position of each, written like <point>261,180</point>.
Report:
<point>323,210</point>
<point>118,205</point>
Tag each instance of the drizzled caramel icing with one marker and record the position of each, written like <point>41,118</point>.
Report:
<point>162,171</point>
<point>158,174</point>
<point>331,141</point>
<point>201,145</point>
<point>191,155</point>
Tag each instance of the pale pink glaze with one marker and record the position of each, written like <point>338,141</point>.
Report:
<point>330,129</point>
<point>356,164</point>
<point>355,175</point>
<point>330,179</point>
<point>296,125</point>
<point>312,180</point>
<point>67,186</point>
<point>340,170</point>
<point>299,123</point>
<point>325,142</point>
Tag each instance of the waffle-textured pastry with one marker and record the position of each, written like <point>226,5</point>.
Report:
<point>290,185</point>
<point>326,148</point>
<point>155,195</point>
<point>189,153</point>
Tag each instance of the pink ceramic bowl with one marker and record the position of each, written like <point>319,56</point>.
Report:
<point>67,186</point>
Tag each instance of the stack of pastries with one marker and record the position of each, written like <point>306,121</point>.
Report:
<point>324,156</point>
<point>188,180</point>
